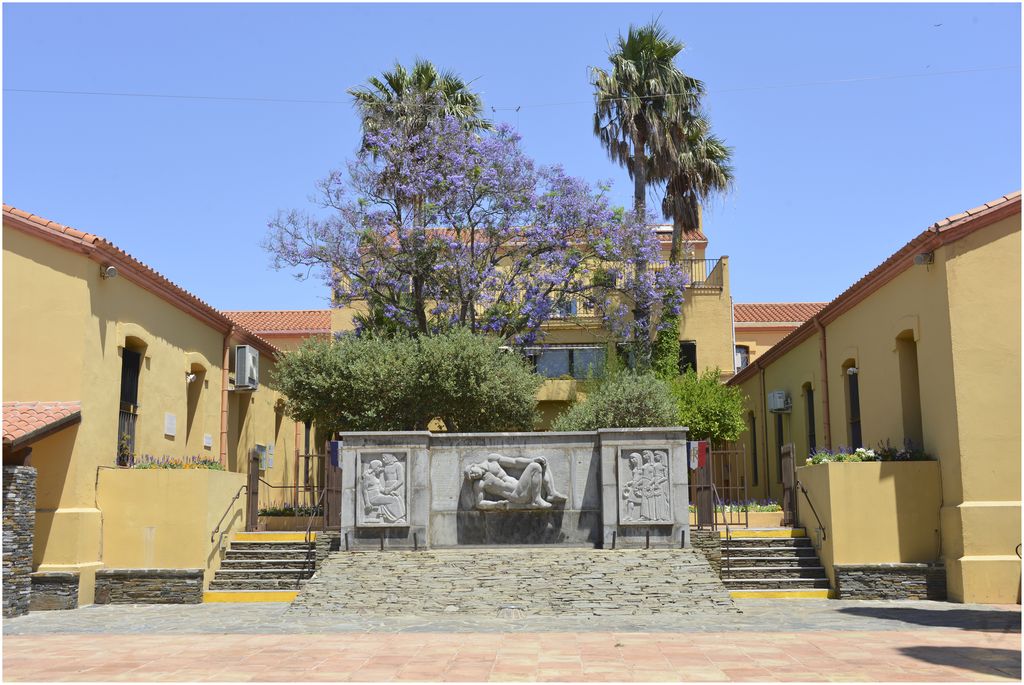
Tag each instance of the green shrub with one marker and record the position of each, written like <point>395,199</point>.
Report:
<point>665,355</point>
<point>623,400</point>
<point>709,408</point>
<point>378,384</point>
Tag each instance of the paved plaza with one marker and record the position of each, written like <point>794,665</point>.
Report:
<point>788,640</point>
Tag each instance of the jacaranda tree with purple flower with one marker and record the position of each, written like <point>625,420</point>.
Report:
<point>443,227</point>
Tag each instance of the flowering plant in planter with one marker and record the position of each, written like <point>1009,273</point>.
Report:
<point>842,455</point>
<point>148,461</point>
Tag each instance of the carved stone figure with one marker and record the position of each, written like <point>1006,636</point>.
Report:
<point>644,487</point>
<point>382,492</point>
<point>495,489</point>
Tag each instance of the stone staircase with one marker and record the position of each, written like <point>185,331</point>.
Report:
<point>772,563</point>
<point>521,581</point>
<point>263,567</point>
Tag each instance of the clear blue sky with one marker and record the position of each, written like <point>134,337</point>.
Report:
<point>830,178</point>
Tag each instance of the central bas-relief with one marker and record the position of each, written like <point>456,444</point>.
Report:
<point>495,490</point>
<point>383,491</point>
<point>645,492</point>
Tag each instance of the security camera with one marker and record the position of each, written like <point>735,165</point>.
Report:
<point>108,271</point>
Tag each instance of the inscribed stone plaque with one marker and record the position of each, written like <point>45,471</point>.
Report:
<point>644,487</point>
<point>382,490</point>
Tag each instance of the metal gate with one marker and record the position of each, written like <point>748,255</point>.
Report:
<point>788,485</point>
<point>332,501</point>
<point>252,493</point>
<point>720,486</point>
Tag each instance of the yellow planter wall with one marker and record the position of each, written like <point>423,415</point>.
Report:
<point>163,518</point>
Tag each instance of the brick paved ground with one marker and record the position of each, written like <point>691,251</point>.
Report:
<point>808,640</point>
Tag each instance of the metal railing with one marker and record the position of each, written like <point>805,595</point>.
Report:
<point>323,518</point>
<point>704,274</point>
<point>717,501</point>
<point>216,530</point>
<point>821,526</point>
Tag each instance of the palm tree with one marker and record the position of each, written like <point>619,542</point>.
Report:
<point>638,102</point>
<point>701,167</point>
<point>411,98</point>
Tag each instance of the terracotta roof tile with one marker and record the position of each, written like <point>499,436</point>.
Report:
<point>950,221</point>
<point>23,419</point>
<point>153,279</point>
<point>283,322</point>
<point>776,312</point>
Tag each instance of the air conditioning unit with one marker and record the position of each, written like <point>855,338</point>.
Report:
<point>779,402</point>
<point>247,367</point>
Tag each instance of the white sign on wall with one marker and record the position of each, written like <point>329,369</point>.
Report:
<point>207,440</point>
<point>170,424</point>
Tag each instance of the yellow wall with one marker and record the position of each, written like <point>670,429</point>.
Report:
<point>759,341</point>
<point>963,315</point>
<point>65,343</point>
<point>872,513</point>
<point>160,518</point>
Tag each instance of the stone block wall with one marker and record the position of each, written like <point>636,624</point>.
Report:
<point>19,524</point>
<point>54,590</point>
<point>708,543</point>
<point>149,586</point>
<point>326,542</point>
<point>891,581</point>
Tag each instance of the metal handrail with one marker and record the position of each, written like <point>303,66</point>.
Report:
<point>217,529</point>
<point>317,507</point>
<point>821,526</point>
<point>725,519</point>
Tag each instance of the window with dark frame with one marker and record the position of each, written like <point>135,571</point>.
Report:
<point>811,437</point>
<point>128,409</point>
<point>577,361</point>
<point>742,357</point>
<point>753,447</point>
<point>687,355</point>
<point>853,406</point>
<point>778,443</point>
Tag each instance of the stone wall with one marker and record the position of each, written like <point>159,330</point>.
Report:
<point>708,543</point>
<point>543,581</point>
<point>19,523</point>
<point>891,581</point>
<point>325,543</point>
<point>54,590</point>
<point>149,586</point>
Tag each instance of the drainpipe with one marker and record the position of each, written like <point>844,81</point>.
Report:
<point>764,430</point>
<point>825,413</point>
<point>732,317</point>
<point>224,399</point>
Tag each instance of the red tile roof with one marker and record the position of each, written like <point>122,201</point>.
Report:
<point>776,312</point>
<point>284,322</point>
<point>105,252</point>
<point>28,421</point>
<point>940,233</point>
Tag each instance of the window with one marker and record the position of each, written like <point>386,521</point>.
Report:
<point>566,309</point>
<point>576,361</point>
<point>128,411</point>
<point>910,388</point>
<point>850,374</point>
<point>753,447</point>
<point>742,356</point>
<point>778,443</point>
<point>687,355</point>
<point>809,401</point>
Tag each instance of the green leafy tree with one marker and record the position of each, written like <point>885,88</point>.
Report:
<point>710,409</point>
<point>623,400</point>
<point>377,383</point>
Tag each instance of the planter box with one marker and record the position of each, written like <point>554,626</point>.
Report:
<point>757,519</point>
<point>289,523</point>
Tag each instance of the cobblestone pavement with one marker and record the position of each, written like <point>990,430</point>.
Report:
<point>791,640</point>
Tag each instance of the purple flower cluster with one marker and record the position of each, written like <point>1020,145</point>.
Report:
<point>442,227</point>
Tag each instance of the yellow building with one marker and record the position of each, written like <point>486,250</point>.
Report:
<point>925,348</point>
<point>574,348</point>
<point>150,369</point>
<point>760,326</point>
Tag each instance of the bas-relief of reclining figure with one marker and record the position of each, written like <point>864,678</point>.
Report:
<point>495,489</point>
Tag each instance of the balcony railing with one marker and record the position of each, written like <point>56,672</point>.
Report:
<point>704,274</point>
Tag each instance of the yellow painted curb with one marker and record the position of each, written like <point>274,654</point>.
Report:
<point>272,537</point>
<point>765,533</point>
<point>240,596</point>
<point>781,594</point>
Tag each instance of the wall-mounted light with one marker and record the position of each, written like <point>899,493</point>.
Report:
<point>852,371</point>
<point>108,271</point>
<point>924,259</point>
<point>190,377</point>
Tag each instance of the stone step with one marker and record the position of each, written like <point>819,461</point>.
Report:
<point>768,572</point>
<point>780,561</point>
<point>748,552</point>
<point>252,584</point>
<point>804,593</point>
<point>258,573</point>
<point>541,581</point>
<point>738,543</point>
<point>296,564</point>
<point>774,583</point>
<point>254,545</point>
<point>269,554</point>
